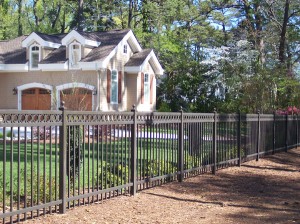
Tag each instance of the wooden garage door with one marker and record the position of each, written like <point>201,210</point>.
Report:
<point>77,99</point>
<point>36,99</point>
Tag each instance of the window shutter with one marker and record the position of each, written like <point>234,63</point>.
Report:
<point>120,87</point>
<point>108,85</point>
<point>151,89</point>
<point>142,87</point>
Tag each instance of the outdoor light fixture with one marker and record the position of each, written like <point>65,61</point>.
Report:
<point>15,91</point>
<point>94,91</point>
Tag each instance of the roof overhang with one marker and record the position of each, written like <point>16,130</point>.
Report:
<point>92,66</point>
<point>74,35</point>
<point>33,37</point>
<point>152,60</point>
<point>13,67</point>
<point>129,36</point>
<point>54,67</point>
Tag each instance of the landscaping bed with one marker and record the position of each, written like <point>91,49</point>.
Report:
<point>267,191</point>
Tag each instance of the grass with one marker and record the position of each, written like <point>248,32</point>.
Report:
<point>104,165</point>
<point>39,163</point>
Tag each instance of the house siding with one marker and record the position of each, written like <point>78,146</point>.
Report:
<point>12,80</point>
<point>133,87</point>
<point>22,78</point>
<point>117,62</point>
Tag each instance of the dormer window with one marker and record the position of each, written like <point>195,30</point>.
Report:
<point>34,56</point>
<point>74,55</point>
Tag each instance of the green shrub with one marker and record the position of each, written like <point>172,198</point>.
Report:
<point>111,175</point>
<point>35,184</point>
<point>74,149</point>
<point>1,186</point>
<point>158,168</point>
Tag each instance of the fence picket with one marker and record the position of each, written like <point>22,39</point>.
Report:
<point>122,152</point>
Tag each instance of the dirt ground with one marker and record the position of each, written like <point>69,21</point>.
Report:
<point>267,191</point>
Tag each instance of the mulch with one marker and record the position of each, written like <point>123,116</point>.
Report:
<point>264,191</point>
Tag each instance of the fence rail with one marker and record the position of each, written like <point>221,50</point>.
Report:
<point>52,161</point>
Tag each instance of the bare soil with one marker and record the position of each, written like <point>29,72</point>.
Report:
<point>267,191</point>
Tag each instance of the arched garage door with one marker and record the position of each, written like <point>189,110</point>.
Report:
<point>36,99</point>
<point>77,99</point>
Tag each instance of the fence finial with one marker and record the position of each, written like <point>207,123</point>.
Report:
<point>258,111</point>
<point>62,105</point>
<point>181,108</point>
<point>133,108</point>
<point>215,110</point>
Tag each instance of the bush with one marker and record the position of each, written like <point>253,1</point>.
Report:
<point>35,184</point>
<point>1,186</point>
<point>157,168</point>
<point>74,149</point>
<point>111,175</point>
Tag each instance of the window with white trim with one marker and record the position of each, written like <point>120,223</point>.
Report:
<point>34,56</point>
<point>114,87</point>
<point>147,88</point>
<point>125,49</point>
<point>74,55</point>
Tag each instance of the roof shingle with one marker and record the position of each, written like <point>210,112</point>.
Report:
<point>11,52</point>
<point>138,58</point>
<point>57,56</point>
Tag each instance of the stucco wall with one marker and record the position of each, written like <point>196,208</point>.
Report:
<point>116,62</point>
<point>12,80</point>
<point>133,87</point>
<point>131,84</point>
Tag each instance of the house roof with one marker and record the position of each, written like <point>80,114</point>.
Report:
<point>138,58</point>
<point>57,56</point>
<point>108,41</point>
<point>54,38</point>
<point>11,52</point>
<point>103,45</point>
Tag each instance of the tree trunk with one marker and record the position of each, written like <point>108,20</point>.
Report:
<point>53,24</point>
<point>20,27</point>
<point>130,13</point>
<point>80,15</point>
<point>283,32</point>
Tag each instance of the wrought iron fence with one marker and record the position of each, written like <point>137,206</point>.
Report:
<point>54,160</point>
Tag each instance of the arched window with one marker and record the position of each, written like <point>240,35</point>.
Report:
<point>34,56</point>
<point>74,55</point>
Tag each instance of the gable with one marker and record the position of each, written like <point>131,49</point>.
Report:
<point>98,48</point>
<point>139,61</point>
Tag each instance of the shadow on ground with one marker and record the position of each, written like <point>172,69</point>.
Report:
<point>267,191</point>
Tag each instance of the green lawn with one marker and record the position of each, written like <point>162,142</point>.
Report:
<point>39,163</point>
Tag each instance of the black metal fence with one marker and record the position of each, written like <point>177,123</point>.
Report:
<point>54,160</point>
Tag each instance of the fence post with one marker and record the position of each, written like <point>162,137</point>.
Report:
<point>297,130</point>
<point>239,139</point>
<point>215,143</point>
<point>258,136</point>
<point>133,165</point>
<point>62,159</point>
<point>286,131</point>
<point>180,176</point>
<point>274,132</point>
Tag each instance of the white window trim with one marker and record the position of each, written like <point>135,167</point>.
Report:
<point>147,99</point>
<point>30,56</point>
<point>73,85</point>
<point>125,47</point>
<point>30,86</point>
<point>111,89</point>
<point>70,55</point>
